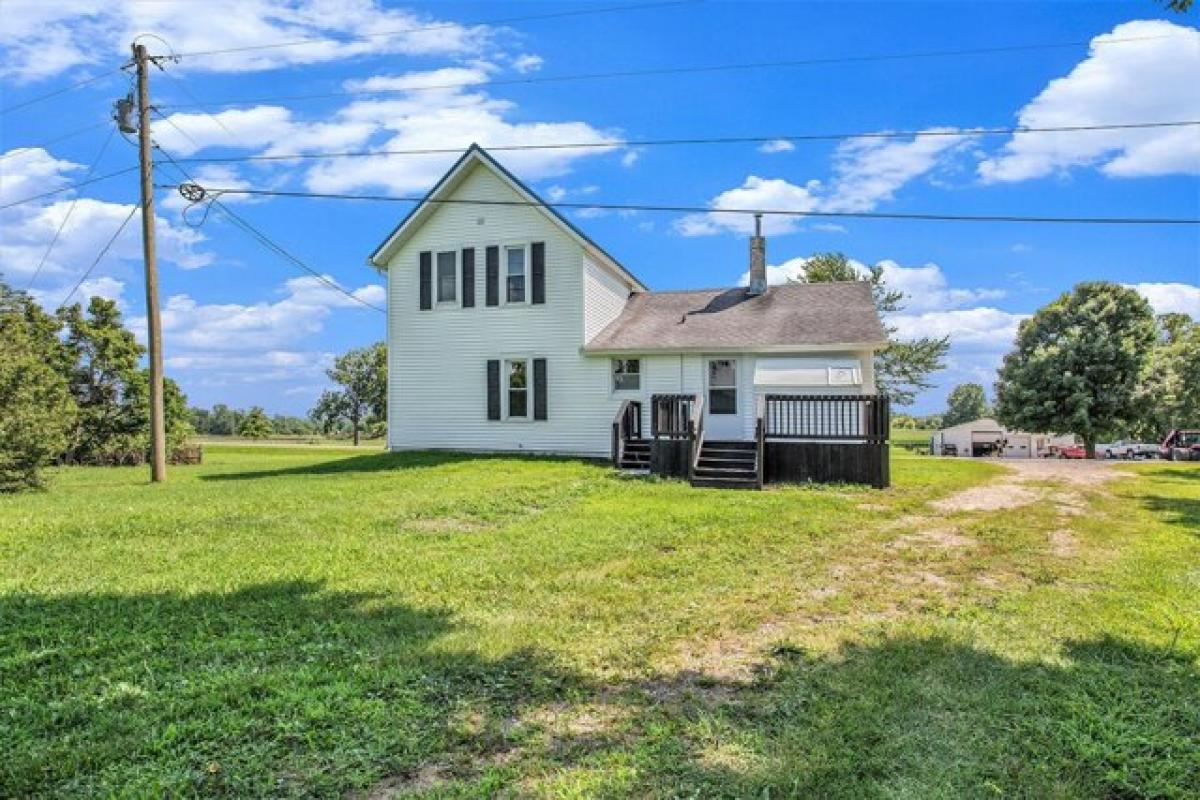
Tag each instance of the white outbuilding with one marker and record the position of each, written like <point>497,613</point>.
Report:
<point>987,437</point>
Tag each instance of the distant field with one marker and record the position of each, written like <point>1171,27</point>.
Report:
<point>296,440</point>
<point>322,622</point>
<point>911,440</point>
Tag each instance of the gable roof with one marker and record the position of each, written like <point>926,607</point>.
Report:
<point>800,315</point>
<point>450,181</point>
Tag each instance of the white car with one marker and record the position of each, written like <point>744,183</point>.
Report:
<point>1123,448</point>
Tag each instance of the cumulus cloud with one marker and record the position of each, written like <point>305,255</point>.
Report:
<point>776,146</point>
<point>1152,79</point>
<point>867,171</point>
<point>926,288</point>
<point>194,329</point>
<point>1172,298</point>
<point>40,40</point>
<point>27,230</point>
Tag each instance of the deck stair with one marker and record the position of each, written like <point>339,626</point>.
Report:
<point>635,455</point>
<point>727,465</point>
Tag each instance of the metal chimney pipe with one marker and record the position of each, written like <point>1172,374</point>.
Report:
<point>758,260</point>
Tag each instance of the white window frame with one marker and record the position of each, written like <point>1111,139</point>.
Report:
<point>612,372</point>
<point>437,282</point>
<point>506,373</point>
<point>526,275</point>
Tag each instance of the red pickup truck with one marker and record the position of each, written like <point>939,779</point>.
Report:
<point>1181,445</point>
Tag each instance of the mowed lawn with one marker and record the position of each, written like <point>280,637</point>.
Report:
<point>287,622</point>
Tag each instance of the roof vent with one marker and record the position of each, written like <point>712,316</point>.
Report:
<point>758,260</point>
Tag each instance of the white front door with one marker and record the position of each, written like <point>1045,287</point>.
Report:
<point>721,401</point>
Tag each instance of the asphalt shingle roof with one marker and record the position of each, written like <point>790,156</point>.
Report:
<point>798,314</point>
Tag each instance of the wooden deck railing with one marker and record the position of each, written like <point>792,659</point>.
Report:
<point>672,416</point>
<point>698,440</point>
<point>850,417</point>
<point>626,425</point>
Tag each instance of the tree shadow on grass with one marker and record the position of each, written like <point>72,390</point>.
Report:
<point>383,462</point>
<point>914,717</point>
<point>281,689</point>
<point>1175,510</point>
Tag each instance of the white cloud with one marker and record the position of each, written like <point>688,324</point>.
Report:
<point>981,329</point>
<point>1167,298</point>
<point>867,171</point>
<point>776,146</point>
<point>27,230</point>
<point>926,288</point>
<point>762,194</point>
<point>828,227</point>
<point>1151,80</point>
<point>451,118</point>
<point>630,158</point>
<point>194,329</point>
<point>526,63</point>
<point>41,39</point>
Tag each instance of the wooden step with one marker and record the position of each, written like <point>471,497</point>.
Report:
<point>724,483</point>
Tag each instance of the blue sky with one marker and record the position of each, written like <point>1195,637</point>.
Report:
<point>243,327</point>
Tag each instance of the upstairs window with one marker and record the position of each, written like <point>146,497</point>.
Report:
<point>627,374</point>
<point>516,263</point>
<point>447,277</point>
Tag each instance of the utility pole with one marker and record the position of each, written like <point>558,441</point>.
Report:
<point>158,441</point>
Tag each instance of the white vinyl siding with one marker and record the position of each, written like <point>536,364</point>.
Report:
<point>603,300</point>
<point>438,362</point>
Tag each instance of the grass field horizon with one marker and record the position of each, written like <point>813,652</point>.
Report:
<point>333,622</point>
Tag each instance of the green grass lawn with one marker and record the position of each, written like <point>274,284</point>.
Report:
<point>319,622</point>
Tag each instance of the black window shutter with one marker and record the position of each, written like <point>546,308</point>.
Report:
<point>426,280</point>
<point>492,276</point>
<point>468,277</point>
<point>539,272</point>
<point>493,389</point>
<point>539,388</point>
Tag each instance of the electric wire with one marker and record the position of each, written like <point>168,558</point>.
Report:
<point>70,210</point>
<point>756,139</point>
<point>62,90</point>
<point>69,187</point>
<point>100,256</point>
<point>917,216</point>
<point>43,145</point>
<point>441,26</point>
<point>659,71</point>
<point>246,227</point>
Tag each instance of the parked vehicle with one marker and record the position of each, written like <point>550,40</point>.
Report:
<point>1181,445</point>
<point>1123,448</point>
<point>1072,451</point>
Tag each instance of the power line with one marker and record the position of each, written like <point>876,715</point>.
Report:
<point>270,244</point>
<point>939,132</point>
<point>103,251</point>
<point>656,71</point>
<point>70,210</point>
<point>27,148</point>
<point>441,26</point>
<point>935,217</point>
<point>69,187</point>
<point>63,90</point>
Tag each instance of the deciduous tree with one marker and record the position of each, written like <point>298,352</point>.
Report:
<point>1078,364</point>
<point>903,369</point>
<point>255,425</point>
<point>37,411</point>
<point>362,398</point>
<point>965,403</point>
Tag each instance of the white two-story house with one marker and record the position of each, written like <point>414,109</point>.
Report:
<point>510,330</point>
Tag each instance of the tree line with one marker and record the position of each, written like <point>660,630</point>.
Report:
<point>72,390</point>
<point>1096,362</point>
<point>356,406</point>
